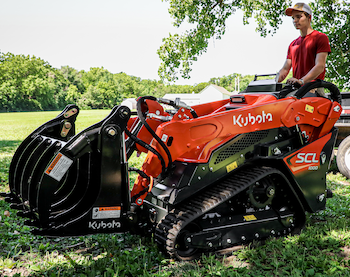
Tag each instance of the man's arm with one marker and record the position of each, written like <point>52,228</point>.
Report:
<point>285,70</point>
<point>320,64</point>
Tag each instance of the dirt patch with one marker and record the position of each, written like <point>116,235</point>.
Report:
<point>345,253</point>
<point>12,272</point>
<point>235,262</point>
<point>345,183</point>
<point>230,259</point>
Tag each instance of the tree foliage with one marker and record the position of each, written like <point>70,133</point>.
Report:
<point>333,18</point>
<point>233,82</point>
<point>178,52</point>
<point>30,84</point>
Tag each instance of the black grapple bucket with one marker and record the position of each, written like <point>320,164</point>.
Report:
<point>67,184</point>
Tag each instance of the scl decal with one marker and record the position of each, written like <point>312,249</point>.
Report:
<point>95,225</point>
<point>251,119</point>
<point>306,158</point>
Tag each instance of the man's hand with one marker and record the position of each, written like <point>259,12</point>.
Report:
<point>294,81</point>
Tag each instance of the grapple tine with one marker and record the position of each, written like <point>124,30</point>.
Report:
<point>39,167</point>
<point>26,214</point>
<point>46,145</point>
<point>18,164</point>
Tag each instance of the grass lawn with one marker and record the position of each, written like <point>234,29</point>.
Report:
<point>322,248</point>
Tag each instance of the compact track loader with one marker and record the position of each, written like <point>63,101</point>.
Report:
<point>216,175</point>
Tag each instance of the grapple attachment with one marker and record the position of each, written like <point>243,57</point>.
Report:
<point>68,184</point>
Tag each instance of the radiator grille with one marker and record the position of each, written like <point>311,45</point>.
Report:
<point>244,142</point>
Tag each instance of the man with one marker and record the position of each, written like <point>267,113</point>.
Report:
<point>307,54</point>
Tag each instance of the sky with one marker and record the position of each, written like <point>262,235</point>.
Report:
<point>123,36</point>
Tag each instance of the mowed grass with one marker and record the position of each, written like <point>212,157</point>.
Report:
<point>17,126</point>
<point>322,248</point>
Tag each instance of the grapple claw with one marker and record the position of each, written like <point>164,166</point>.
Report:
<point>19,207</point>
<point>13,199</point>
<point>61,181</point>
<point>6,194</point>
<point>26,214</point>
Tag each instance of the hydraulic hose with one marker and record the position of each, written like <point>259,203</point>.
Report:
<point>143,120</point>
<point>148,147</point>
<point>143,174</point>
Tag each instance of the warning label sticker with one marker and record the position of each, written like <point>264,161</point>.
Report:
<point>231,166</point>
<point>309,108</point>
<point>59,167</point>
<point>164,137</point>
<point>250,217</point>
<point>106,212</point>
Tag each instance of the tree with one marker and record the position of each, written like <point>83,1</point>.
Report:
<point>178,52</point>
<point>333,18</point>
<point>231,81</point>
<point>74,77</point>
<point>105,89</point>
<point>28,83</point>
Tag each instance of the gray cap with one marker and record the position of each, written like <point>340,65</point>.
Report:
<point>302,7</point>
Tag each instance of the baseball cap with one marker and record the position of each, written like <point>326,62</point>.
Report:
<point>302,7</point>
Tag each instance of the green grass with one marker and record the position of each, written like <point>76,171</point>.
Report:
<point>322,248</point>
<point>15,127</point>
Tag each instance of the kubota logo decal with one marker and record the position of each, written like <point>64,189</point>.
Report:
<point>104,225</point>
<point>243,121</point>
<point>306,158</point>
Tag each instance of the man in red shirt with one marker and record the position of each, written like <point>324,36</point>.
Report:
<point>307,54</point>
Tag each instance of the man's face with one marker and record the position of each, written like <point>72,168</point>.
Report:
<point>300,20</point>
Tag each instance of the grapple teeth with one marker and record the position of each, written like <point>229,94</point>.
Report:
<point>63,177</point>
<point>43,232</point>
<point>26,214</point>
<point>6,194</point>
<point>19,207</point>
<point>13,199</point>
<point>32,223</point>
<point>37,232</point>
<point>46,146</point>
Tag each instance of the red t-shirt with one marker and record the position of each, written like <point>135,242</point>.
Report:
<point>303,51</point>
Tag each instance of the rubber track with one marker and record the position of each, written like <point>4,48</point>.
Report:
<point>177,219</point>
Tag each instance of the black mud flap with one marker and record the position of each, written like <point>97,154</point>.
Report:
<point>67,184</point>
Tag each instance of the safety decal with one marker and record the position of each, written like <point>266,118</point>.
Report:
<point>231,166</point>
<point>59,167</point>
<point>164,137</point>
<point>250,217</point>
<point>106,212</point>
<point>309,108</point>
